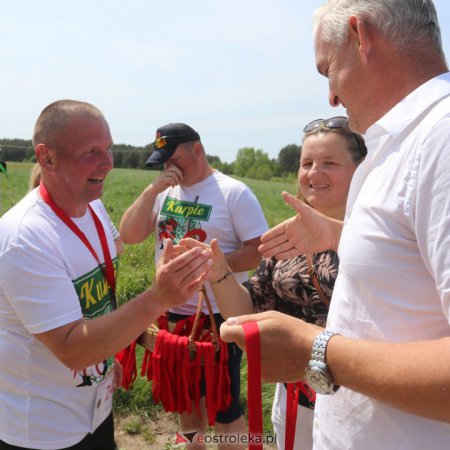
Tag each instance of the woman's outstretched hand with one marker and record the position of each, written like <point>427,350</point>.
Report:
<point>309,231</point>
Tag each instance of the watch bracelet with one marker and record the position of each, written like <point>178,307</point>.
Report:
<point>318,351</point>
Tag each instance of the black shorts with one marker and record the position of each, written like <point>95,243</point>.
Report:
<point>234,411</point>
<point>101,439</point>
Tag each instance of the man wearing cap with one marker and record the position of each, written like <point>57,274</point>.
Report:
<point>200,202</point>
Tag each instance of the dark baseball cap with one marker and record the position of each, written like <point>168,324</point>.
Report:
<point>167,139</point>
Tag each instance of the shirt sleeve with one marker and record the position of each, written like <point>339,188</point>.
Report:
<point>248,217</point>
<point>38,288</point>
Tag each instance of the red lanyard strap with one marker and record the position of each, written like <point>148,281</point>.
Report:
<point>255,419</point>
<point>291,414</point>
<point>108,271</point>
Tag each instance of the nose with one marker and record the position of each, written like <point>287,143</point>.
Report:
<point>333,99</point>
<point>107,162</point>
<point>314,170</point>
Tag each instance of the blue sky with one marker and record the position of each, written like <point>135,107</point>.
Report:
<point>241,72</point>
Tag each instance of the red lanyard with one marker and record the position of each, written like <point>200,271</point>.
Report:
<point>108,273</point>
<point>293,391</point>
<point>253,349</point>
<point>291,414</point>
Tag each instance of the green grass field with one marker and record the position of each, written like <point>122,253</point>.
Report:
<point>136,268</point>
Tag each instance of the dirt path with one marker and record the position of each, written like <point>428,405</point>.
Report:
<point>140,433</point>
<point>158,433</point>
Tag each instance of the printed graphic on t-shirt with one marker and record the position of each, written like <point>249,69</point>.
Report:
<point>181,219</point>
<point>95,301</point>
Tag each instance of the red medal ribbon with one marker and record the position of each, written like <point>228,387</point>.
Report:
<point>255,418</point>
<point>108,270</point>
<point>291,414</point>
<point>293,392</point>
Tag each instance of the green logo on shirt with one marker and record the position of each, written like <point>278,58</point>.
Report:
<point>177,208</point>
<point>94,294</point>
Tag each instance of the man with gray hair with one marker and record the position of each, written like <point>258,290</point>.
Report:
<point>382,366</point>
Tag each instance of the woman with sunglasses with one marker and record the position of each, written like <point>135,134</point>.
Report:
<point>301,286</point>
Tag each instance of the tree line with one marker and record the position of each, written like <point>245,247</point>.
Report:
<point>250,162</point>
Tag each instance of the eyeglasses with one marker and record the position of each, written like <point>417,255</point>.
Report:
<point>332,123</point>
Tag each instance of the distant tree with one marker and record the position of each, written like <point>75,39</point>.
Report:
<point>253,163</point>
<point>275,167</point>
<point>129,156</point>
<point>212,158</point>
<point>289,159</point>
<point>118,159</point>
<point>17,142</point>
<point>128,148</point>
<point>17,152</point>
<point>214,161</point>
<point>245,159</point>
<point>227,168</point>
<point>262,159</point>
<point>264,172</point>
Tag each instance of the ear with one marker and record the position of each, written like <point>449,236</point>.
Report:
<point>45,157</point>
<point>198,148</point>
<point>360,34</point>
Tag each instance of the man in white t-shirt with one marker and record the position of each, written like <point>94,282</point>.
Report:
<point>59,323</point>
<point>191,199</point>
<point>391,302</point>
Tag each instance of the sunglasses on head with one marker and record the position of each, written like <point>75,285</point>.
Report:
<point>332,123</point>
<point>162,141</point>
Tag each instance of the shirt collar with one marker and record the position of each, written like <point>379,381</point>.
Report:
<point>411,107</point>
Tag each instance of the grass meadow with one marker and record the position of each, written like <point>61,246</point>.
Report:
<point>136,268</point>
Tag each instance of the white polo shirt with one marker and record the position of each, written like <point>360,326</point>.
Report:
<point>394,274</point>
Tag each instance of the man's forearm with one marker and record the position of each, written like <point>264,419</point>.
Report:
<point>414,377</point>
<point>87,342</point>
<point>137,222</point>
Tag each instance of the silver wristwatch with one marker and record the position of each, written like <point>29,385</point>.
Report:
<point>317,374</point>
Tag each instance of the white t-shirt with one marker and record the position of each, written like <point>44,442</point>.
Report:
<point>218,207</point>
<point>394,274</point>
<point>48,278</point>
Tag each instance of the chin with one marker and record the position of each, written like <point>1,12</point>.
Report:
<point>94,195</point>
<point>356,127</point>
<point>320,206</point>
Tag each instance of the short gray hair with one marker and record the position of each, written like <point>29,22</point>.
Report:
<point>412,25</point>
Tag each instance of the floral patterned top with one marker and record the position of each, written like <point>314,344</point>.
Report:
<point>286,286</point>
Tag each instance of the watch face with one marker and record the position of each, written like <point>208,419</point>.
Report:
<point>318,380</point>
